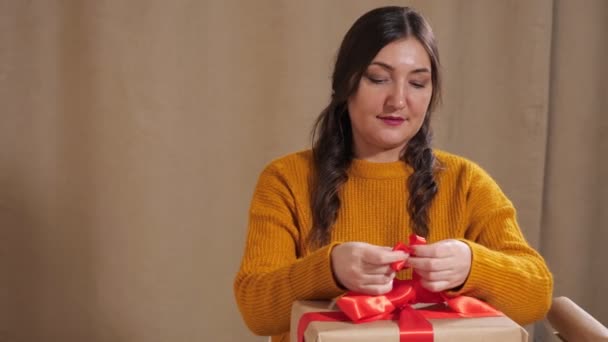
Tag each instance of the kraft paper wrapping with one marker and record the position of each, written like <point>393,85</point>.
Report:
<point>494,329</point>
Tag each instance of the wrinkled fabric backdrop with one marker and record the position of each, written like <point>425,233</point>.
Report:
<point>132,134</point>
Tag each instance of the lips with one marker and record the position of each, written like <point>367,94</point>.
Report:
<point>392,120</point>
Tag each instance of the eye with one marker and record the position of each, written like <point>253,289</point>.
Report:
<point>418,85</point>
<point>376,79</point>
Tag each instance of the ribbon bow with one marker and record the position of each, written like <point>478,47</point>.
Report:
<point>396,305</point>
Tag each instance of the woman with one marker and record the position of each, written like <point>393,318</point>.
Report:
<point>322,221</point>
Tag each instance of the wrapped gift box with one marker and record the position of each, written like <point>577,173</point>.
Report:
<point>493,329</point>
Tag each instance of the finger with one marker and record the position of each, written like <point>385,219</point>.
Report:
<point>435,286</point>
<point>430,264</point>
<point>377,279</point>
<point>380,256</point>
<point>434,275</point>
<point>434,250</point>
<point>376,269</point>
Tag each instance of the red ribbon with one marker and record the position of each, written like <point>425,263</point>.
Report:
<point>396,305</point>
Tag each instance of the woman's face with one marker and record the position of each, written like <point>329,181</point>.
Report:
<point>391,101</point>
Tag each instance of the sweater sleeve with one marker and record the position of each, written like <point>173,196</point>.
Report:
<point>505,271</point>
<point>272,276</point>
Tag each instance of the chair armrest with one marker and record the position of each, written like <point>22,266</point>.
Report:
<point>573,323</point>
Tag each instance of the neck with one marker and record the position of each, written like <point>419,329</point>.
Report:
<point>383,156</point>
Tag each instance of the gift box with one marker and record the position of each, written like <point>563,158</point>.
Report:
<point>401,316</point>
<point>330,329</point>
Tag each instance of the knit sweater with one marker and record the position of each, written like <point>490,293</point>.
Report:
<point>278,267</point>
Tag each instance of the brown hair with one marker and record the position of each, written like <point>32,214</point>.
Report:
<point>332,134</point>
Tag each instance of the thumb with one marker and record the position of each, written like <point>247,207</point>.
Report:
<point>383,256</point>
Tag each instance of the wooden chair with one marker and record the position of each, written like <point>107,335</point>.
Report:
<point>573,324</point>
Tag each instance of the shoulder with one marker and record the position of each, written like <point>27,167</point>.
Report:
<point>454,164</point>
<point>292,169</point>
<point>295,162</point>
<point>465,174</point>
<point>284,181</point>
<point>465,170</point>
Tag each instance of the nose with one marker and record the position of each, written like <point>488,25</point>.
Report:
<point>396,99</point>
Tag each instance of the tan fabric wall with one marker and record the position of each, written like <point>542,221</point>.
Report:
<point>575,216</point>
<point>132,134</point>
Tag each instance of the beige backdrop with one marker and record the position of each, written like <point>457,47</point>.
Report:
<point>132,133</point>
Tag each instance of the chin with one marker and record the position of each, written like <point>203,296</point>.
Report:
<point>391,144</point>
<point>394,146</point>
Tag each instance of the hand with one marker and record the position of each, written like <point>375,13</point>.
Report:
<point>442,265</point>
<point>365,268</point>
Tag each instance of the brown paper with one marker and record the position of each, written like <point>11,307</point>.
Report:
<point>494,329</point>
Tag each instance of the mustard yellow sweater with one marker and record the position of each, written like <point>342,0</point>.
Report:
<point>279,268</point>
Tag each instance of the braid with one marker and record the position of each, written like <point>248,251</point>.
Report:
<point>332,156</point>
<point>421,185</point>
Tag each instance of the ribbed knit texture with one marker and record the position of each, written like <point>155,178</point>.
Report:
<point>279,268</point>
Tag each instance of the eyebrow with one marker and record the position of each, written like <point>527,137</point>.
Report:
<point>391,68</point>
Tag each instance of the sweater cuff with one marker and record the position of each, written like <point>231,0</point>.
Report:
<point>478,275</point>
<point>312,277</point>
